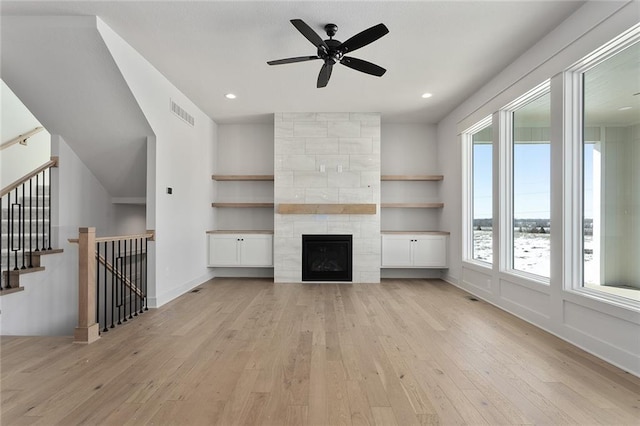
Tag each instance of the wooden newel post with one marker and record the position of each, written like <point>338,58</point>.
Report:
<point>87,330</point>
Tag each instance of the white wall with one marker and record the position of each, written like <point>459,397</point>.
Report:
<point>129,219</point>
<point>604,329</point>
<point>409,149</point>
<point>244,149</point>
<point>49,303</point>
<point>18,160</point>
<point>181,157</point>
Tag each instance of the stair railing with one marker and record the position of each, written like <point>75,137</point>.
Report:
<point>21,139</point>
<point>113,280</point>
<point>26,228</point>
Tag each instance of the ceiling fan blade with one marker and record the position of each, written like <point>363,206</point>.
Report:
<point>363,66</point>
<point>293,60</point>
<point>363,38</point>
<point>308,32</point>
<point>325,74</point>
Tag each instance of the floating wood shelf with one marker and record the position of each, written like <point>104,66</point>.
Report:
<point>242,205</point>
<point>326,209</point>
<point>415,232</point>
<point>412,177</point>
<point>413,205</point>
<point>242,177</point>
<point>237,231</point>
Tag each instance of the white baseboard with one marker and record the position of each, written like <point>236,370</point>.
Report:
<point>156,302</point>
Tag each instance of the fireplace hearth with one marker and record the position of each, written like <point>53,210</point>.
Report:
<point>326,257</point>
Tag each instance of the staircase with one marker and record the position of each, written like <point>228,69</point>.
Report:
<point>26,227</point>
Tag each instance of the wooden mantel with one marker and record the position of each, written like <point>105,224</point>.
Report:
<point>326,208</point>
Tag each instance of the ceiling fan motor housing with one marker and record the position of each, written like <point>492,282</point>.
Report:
<point>333,53</point>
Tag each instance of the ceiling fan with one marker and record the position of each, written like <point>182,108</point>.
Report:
<point>332,51</point>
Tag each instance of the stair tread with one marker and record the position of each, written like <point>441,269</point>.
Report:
<point>5,291</point>
<point>25,271</point>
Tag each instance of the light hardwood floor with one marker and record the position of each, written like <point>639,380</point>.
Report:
<point>244,351</point>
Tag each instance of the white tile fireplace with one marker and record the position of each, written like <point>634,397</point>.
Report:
<point>327,159</point>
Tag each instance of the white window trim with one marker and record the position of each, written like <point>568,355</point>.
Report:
<point>573,207</point>
<point>467,191</point>
<point>505,172</point>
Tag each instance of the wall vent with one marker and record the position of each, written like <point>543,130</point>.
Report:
<point>180,112</point>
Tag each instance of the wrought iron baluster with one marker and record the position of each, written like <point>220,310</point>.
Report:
<point>37,208</point>
<point>130,277</point>
<point>113,283</point>
<point>22,222</point>
<point>98,283</point>
<point>31,223</point>
<point>124,277</point>
<point>44,228</point>
<point>49,209</point>
<point>105,287</point>
<point>135,282</point>
<point>146,273</point>
<point>12,235</point>
<point>119,283</point>
<point>139,280</point>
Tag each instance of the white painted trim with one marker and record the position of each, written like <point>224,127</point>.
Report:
<point>466,139</point>
<point>564,333</point>
<point>573,182</point>
<point>156,302</point>
<point>505,176</point>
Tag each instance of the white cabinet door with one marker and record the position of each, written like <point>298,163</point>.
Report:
<point>396,250</point>
<point>224,250</point>
<point>430,251</point>
<point>256,250</point>
<point>240,250</point>
<point>414,251</point>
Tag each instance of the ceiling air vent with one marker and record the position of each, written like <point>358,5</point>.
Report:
<point>184,115</point>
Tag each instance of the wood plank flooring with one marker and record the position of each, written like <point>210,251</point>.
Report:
<point>248,351</point>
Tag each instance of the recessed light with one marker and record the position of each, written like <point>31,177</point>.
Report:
<point>426,95</point>
<point>230,96</point>
<point>624,108</point>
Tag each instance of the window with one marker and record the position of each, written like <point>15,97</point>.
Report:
<point>480,190</point>
<point>529,232</point>
<point>605,87</point>
<point>611,174</point>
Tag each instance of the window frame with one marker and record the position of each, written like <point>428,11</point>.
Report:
<point>467,192</point>
<point>506,182</point>
<point>573,170</point>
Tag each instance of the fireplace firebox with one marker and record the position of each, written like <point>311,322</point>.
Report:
<point>326,257</point>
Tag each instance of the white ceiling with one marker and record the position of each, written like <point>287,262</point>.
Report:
<point>209,48</point>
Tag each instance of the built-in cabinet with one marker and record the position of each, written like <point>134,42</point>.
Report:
<point>246,249</point>
<point>241,248</point>
<point>414,250</point>
<point>410,238</point>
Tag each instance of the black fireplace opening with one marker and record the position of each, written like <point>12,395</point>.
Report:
<point>326,257</point>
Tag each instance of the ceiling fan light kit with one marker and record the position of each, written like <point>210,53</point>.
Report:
<point>333,51</point>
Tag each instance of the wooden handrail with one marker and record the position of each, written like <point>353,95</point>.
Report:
<point>149,234</point>
<point>118,274</point>
<point>22,139</point>
<point>51,163</point>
